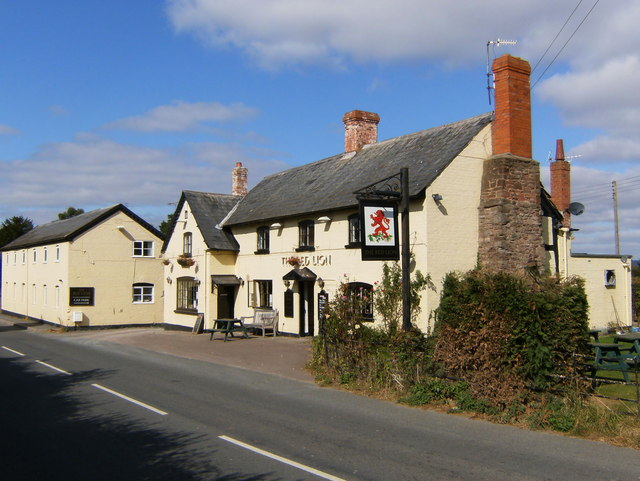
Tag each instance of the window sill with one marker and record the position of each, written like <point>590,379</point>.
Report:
<point>191,312</point>
<point>353,245</point>
<point>261,252</point>
<point>305,249</point>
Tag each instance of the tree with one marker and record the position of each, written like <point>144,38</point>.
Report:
<point>165,225</point>
<point>635,286</point>
<point>13,228</point>
<point>69,213</point>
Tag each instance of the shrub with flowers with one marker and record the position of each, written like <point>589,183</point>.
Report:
<point>349,350</point>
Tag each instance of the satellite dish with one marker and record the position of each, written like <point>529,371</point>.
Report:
<point>576,208</point>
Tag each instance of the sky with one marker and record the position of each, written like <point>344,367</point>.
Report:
<point>132,102</point>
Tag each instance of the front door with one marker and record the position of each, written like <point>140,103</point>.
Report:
<point>226,301</point>
<point>307,308</point>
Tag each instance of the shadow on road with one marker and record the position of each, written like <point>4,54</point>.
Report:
<point>48,434</point>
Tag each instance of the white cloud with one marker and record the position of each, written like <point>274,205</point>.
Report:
<point>183,116</point>
<point>284,32</point>
<point>8,130</point>
<point>93,172</point>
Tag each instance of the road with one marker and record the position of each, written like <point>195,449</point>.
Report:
<point>74,408</point>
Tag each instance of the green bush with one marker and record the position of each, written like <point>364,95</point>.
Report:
<point>504,334</point>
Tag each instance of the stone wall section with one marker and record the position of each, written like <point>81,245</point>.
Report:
<point>510,217</point>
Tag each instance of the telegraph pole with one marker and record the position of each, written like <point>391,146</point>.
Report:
<point>614,186</point>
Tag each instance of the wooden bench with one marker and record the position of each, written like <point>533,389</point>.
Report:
<point>262,320</point>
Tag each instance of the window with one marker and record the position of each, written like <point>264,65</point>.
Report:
<point>142,248</point>
<point>15,258</point>
<point>142,293</point>
<point>45,255</point>
<point>187,294</point>
<point>305,235</point>
<point>44,295</point>
<point>263,240</point>
<point>24,257</point>
<point>57,296</point>
<point>361,295</point>
<point>261,294</point>
<point>354,230</point>
<point>57,253</point>
<point>610,278</point>
<point>187,243</point>
<point>35,256</point>
<point>34,291</point>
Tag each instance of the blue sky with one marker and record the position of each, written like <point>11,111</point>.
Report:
<point>134,101</point>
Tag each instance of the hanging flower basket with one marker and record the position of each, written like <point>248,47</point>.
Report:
<point>293,261</point>
<point>185,261</point>
<point>166,262</point>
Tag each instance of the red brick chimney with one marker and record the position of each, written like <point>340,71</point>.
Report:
<point>561,183</point>
<point>510,222</point>
<point>511,131</point>
<point>239,180</point>
<point>360,129</point>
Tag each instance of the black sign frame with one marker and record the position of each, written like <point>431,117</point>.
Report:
<point>82,296</point>
<point>369,251</point>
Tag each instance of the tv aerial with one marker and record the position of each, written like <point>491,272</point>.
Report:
<point>494,43</point>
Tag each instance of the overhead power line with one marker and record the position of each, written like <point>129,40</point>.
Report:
<point>565,44</point>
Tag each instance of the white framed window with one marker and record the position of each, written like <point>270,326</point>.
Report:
<point>15,258</point>
<point>261,293</point>
<point>35,255</point>
<point>142,248</point>
<point>44,295</point>
<point>45,255</point>
<point>24,257</point>
<point>142,293</point>
<point>34,290</point>
<point>57,253</point>
<point>306,230</point>
<point>187,244</point>
<point>57,296</point>
<point>263,240</point>
<point>23,292</point>
<point>187,291</point>
<point>15,291</point>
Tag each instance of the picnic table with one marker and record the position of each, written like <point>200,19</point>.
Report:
<point>632,338</point>
<point>228,327</point>
<point>610,357</point>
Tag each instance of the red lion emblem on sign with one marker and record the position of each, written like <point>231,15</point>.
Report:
<point>381,223</point>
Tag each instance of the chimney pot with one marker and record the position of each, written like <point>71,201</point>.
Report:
<point>561,183</point>
<point>239,180</point>
<point>360,129</point>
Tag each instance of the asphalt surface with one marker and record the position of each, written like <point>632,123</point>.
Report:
<point>283,356</point>
<point>59,421</point>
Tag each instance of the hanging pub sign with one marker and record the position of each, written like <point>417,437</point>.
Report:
<point>379,230</point>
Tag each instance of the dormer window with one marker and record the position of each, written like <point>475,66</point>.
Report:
<point>306,230</point>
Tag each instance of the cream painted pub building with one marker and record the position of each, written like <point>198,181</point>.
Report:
<point>98,269</point>
<point>476,197</point>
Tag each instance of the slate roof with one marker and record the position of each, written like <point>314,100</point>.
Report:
<point>209,210</point>
<point>329,184</point>
<point>68,229</point>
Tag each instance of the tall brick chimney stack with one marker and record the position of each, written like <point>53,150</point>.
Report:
<point>360,129</point>
<point>510,223</point>
<point>561,183</point>
<point>239,180</point>
<point>511,131</point>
